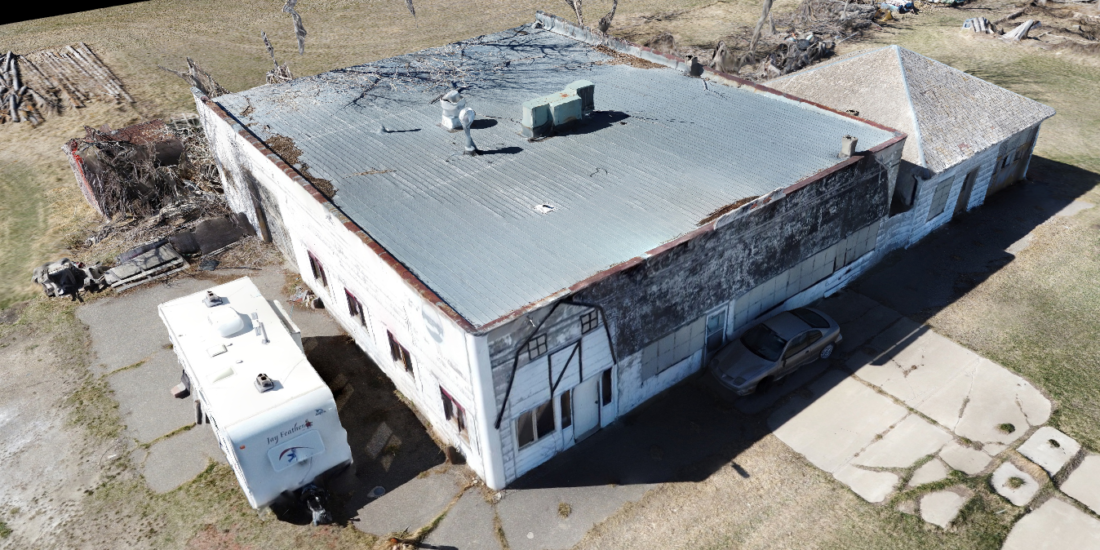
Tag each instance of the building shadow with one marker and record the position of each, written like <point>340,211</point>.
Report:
<point>689,432</point>
<point>389,443</point>
<point>920,281</point>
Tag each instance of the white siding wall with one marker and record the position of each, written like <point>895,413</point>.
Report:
<point>438,346</point>
<point>531,388</point>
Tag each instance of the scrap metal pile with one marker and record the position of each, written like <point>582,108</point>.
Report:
<point>47,81</point>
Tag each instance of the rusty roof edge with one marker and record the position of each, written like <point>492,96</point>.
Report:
<point>691,235</point>
<point>560,26</point>
<point>403,271</point>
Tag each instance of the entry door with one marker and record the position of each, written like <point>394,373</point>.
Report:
<point>586,408</point>
<point>716,331</point>
<point>964,193</point>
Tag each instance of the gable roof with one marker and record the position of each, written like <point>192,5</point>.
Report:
<point>662,153</point>
<point>949,115</point>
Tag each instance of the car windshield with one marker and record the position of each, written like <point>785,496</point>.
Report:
<point>811,318</point>
<point>764,342</point>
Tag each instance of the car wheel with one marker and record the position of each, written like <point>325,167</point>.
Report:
<point>764,385</point>
<point>827,351</point>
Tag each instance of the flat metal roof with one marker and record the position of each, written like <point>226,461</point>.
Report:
<point>662,152</point>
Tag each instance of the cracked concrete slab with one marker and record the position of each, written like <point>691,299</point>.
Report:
<point>1050,449</point>
<point>844,418</point>
<point>1084,483</point>
<point>532,521</point>
<point>964,459</point>
<point>145,404</point>
<point>860,318</point>
<point>1056,525</point>
<point>1014,484</point>
<point>929,373</point>
<point>412,505</point>
<point>910,440</point>
<point>942,507</point>
<point>467,526</point>
<point>872,486</point>
<point>994,412</point>
<point>932,471</point>
<point>178,459</point>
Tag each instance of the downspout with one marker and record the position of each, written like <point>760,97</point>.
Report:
<point>481,382</point>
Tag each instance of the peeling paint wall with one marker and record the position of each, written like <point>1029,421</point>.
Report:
<point>675,290</point>
<point>301,225</point>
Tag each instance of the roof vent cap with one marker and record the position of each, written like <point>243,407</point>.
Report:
<point>211,299</point>
<point>264,383</point>
<point>848,146</point>
<point>452,103</point>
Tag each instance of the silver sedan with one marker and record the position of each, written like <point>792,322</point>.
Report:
<point>773,349</point>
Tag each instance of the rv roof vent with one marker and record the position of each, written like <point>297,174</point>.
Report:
<point>453,104</point>
<point>212,299</point>
<point>226,321</point>
<point>264,383</point>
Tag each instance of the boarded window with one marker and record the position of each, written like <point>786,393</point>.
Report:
<point>317,269</point>
<point>535,424</point>
<point>399,354</point>
<point>939,199</point>
<point>537,346</point>
<point>673,348</point>
<point>454,412</point>
<point>590,321</point>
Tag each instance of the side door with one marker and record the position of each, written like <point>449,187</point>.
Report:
<point>800,350</point>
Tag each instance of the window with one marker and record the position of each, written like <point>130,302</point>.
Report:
<point>400,354</point>
<point>939,199</point>
<point>810,318</point>
<point>536,346</point>
<point>605,387</point>
<point>535,424</point>
<point>567,409</point>
<point>355,308</point>
<point>454,412</point>
<point>318,269</point>
<point>673,348</point>
<point>590,321</point>
<point>716,330</point>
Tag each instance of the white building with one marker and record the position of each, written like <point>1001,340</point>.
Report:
<point>527,296</point>
<point>967,139</point>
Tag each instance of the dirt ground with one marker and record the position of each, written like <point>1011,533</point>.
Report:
<point>84,496</point>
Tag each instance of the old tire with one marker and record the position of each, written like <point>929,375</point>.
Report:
<point>827,351</point>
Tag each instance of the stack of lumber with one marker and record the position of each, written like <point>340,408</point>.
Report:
<point>45,81</point>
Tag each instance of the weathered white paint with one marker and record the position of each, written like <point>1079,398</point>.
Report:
<point>441,350</point>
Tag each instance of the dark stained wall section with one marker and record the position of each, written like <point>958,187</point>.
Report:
<point>666,291</point>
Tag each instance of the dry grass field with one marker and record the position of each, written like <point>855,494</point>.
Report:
<point>43,217</point>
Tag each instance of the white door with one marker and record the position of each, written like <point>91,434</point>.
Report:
<point>586,408</point>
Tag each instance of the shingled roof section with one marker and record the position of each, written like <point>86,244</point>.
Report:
<point>949,115</point>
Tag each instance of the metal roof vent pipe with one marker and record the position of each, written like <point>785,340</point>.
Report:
<point>848,146</point>
<point>453,104</point>
<point>467,118</point>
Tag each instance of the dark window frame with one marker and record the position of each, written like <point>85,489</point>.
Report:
<point>355,308</point>
<point>565,404</point>
<point>454,412</point>
<point>538,422</point>
<point>400,354</point>
<point>590,321</point>
<point>537,346</point>
<point>318,269</point>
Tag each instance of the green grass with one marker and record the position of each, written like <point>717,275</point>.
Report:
<point>23,223</point>
<point>5,531</point>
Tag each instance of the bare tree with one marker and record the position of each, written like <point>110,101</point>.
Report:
<point>605,21</point>
<point>299,30</point>
<point>764,16</point>
<point>575,5</point>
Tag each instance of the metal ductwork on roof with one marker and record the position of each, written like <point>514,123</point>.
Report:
<point>558,110</point>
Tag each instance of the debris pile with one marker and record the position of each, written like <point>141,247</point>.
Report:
<point>135,171</point>
<point>46,81</point>
<point>795,54</point>
<point>67,278</point>
<point>197,77</point>
<point>281,73</point>
<point>979,25</point>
